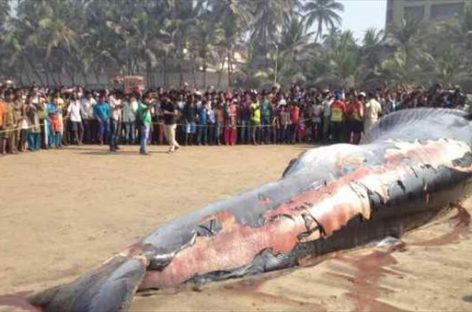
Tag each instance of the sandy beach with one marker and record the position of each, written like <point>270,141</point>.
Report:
<point>63,212</point>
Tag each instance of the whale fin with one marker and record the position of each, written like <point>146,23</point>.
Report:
<point>110,287</point>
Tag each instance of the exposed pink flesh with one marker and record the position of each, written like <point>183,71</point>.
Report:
<point>332,207</point>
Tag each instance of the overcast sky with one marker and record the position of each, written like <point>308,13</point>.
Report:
<point>360,15</point>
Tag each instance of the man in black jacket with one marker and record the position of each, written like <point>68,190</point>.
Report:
<point>170,115</point>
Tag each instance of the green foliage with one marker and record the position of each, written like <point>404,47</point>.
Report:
<point>323,12</point>
<point>253,42</point>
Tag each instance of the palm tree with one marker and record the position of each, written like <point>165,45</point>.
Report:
<point>205,38</point>
<point>236,18</point>
<point>248,75</point>
<point>331,39</point>
<point>294,50</point>
<point>409,35</point>
<point>372,53</point>
<point>323,12</point>
<point>270,17</point>
<point>449,67</point>
<point>401,70</point>
<point>4,12</point>
<point>344,59</point>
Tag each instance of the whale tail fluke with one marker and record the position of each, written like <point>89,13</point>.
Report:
<point>108,288</point>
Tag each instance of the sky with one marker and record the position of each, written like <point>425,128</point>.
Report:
<point>359,15</point>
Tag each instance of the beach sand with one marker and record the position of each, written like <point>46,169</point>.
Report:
<point>62,212</point>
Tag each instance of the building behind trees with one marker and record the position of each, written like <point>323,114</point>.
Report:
<point>426,10</point>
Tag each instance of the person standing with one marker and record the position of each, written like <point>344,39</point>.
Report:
<point>44,121</point>
<point>160,121</point>
<point>326,103</point>
<point>170,113</point>
<point>20,126</point>
<point>25,125</point>
<point>34,135</point>
<point>64,122</point>
<point>101,111</point>
<point>190,115</point>
<point>372,111</point>
<point>59,126</point>
<point>357,108</point>
<point>284,124</point>
<point>220,120</point>
<point>232,122</point>
<point>255,119</point>
<point>130,108</point>
<point>90,123</point>
<point>275,112</point>
<point>202,114</point>
<point>294,121</point>
<point>3,113</point>
<point>211,121</point>
<point>11,123</point>
<point>338,114</point>
<point>266,119</point>
<point>74,114</point>
<point>143,115</point>
<point>245,116</point>
<point>53,121</point>
<point>115,120</point>
<point>317,110</point>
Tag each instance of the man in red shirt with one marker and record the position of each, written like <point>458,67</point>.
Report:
<point>295,120</point>
<point>357,107</point>
<point>338,115</point>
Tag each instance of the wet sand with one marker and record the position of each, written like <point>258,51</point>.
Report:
<point>63,212</point>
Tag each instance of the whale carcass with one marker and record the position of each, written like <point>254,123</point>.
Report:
<point>410,166</point>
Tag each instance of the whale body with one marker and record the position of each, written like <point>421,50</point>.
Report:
<point>409,167</point>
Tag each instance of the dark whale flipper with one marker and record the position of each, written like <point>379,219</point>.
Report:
<point>108,288</point>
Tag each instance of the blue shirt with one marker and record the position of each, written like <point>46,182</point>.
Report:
<point>52,109</point>
<point>102,111</point>
<point>202,115</point>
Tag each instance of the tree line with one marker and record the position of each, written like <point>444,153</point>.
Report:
<point>249,43</point>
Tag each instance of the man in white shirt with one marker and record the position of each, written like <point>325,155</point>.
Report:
<point>74,113</point>
<point>316,114</point>
<point>129,111</point>
<point>327,101</point>
<point>373,110</point>
<point>115,120</point>
<point>90,123</point>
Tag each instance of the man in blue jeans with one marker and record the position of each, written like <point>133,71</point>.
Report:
<point>130,107</point>
<point>202,113</point>
<point>190,115</point>
<point>101,111</point>
<point>144,122</point>
<point>244,117</point>
<point>115,120</point>
<point>266,119</point>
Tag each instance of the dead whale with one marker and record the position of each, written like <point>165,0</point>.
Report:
<point>410,166</point>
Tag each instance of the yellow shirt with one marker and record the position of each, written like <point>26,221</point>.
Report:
<point>61,103</point>
<point>372,110</point>
<point>255,112</point>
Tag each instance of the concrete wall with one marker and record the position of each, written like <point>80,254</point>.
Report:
<point>105,80</point>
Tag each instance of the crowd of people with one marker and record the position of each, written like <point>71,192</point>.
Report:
<point>41,118</point>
